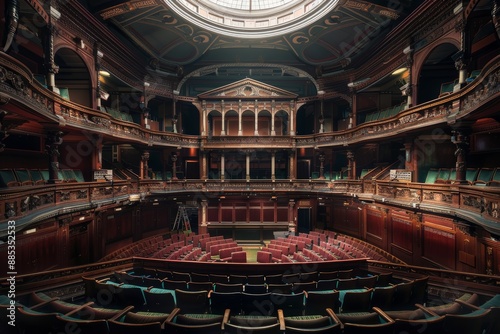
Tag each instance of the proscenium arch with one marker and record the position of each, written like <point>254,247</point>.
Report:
<point>212,68</point>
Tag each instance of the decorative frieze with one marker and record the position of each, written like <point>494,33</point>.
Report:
<point>437,196</point>
<point>476,203</point>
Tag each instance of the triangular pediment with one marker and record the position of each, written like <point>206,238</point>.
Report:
<point>247,89</point>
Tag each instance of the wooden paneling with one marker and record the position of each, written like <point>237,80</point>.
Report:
<point>439,245</point>
<point>254,214</point>
<point>268,214</point>
<point>402,241</point>
<point>227,214</point>
<point>402,231</point>
<point>346,219</point>
<point>282,214</point>
<point>374,224</point>
<point>34,252</point>
<point>213,214</point>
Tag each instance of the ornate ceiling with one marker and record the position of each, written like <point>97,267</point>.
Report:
<point>335,36</point>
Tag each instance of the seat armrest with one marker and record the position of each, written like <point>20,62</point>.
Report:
<point>468,305</point>
<point>281,319</point>
<point>426,310</point>
<point>34,307</point>
<point>383,314</point>
<point>78,309</point>
<point>122,312</point>
<point>103,280</point>
<point>333,315</point>
<point>225,319</point>
<point>173,314</point>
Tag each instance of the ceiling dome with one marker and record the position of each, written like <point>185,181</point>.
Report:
<point>251,18</point>
<point>251,5</point>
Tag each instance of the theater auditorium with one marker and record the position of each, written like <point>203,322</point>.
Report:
<point>253,166</point>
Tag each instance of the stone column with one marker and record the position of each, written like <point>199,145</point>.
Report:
<point>408,156</point>
<point>173,157</point>
<point>460,65</point>
<point>291,164</point>
<point>52,142</point>
<point>12,20</point>
<point>273,165</point>
<point>321,118</point>
<point>460,139</point>
<point>203,221</point>
<point>406,90</point>
<point>223,126</point>
<point>248,166</point>
<point>222,166</point>
<point>292,117</point>
<point>97,60</point>
<point>204,165</point>
<point>321,166</point>
<point>273,106</point>
<point>292,222</point>
<point>256,111</point>
<point>240,131</point>
<point>52,68</point>
<point>204,122</point>
<point>174,114</point>
<point>353,121</point>
<point>351,166</point>
<point>144,165</point>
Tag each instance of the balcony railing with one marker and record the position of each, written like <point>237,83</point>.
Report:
<point>29,204</point>
<point>17,82</point>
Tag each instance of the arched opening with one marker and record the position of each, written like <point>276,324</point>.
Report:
<point>231,123</point>
<point>190,119</point>
<point>281,123</point>
<point>73,79</point>
<point>248,123</point>
<point>264,126</point>
<point>438,74</point>
<point>305,120</point>
<point>214,126</point>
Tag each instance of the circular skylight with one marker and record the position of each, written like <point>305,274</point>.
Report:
<point>251,5</point>
<point>251,18</point>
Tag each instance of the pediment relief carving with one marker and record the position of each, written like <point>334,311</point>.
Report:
<point>247,89</point>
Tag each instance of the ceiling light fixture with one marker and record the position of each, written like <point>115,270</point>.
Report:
<point>104,73</point>
<point>399,70</point>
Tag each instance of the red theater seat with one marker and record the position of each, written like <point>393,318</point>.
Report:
<point>239,257</point>
<point>264,257</point>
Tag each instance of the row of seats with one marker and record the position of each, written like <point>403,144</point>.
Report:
<point>145,247</point>
<point>265,315</point>
<point>379,289</point>
<point>297,298</point>
<point>448,87</point>
<point>118,114</point>
<point>473,176</point>
<point>348,243</point>
<point>385,113</point>
<point>29,177</point>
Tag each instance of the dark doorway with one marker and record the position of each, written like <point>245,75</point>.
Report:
<point>304,220</point>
